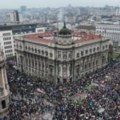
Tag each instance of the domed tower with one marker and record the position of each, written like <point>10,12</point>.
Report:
<point>64,36</point>
<point>4,88</point>
<point>64,55</point>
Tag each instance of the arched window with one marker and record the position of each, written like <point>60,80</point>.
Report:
<point>103,47</point>
<point>86,51</point>
<point>78,55</point>
<point>20,47</point>
<point>51,69</point>
<point>64,55</point>
<point>51,55</point>
<point>46,53</point>
<point>96,62</point>
<point>39,51</point>
<point>89,65</point>
<point>42,52</point>
<point>106,46</point>
<point>3,104</point>
<point>94,49</point>
<point>32,64</point>
<point>90,50</point>
<point>85,66</point>
<point>17,45</point>
<point>26,47</point>
<point>97,48</point>
<point>35,50</point>
<point>77,69</point>
<point>82,53</point>
<point>103,59</point>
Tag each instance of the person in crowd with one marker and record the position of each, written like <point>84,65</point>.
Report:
<point>31,97</point>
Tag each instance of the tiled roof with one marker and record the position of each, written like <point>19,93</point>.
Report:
<point>88,38</point>
<point>40,37</point>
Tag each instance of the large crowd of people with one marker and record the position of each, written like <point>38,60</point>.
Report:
<point>99,96</point>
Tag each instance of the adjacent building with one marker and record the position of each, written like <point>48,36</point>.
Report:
<point>13,17</point>
<point>86,27</point>
<point>23,9</point>
<point>61,57</point>
<point>7,34</point>
<point>111,31</point>
<point>4,88</point>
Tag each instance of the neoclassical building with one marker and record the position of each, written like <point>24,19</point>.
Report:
<point>62,56</point>
<point>4,88</point>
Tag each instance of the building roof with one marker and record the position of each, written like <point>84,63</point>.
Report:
<point>89,37</point>
<point>40,37</point>
<point>48,37</point>
<point>15,26</point>
<point>86,27</point>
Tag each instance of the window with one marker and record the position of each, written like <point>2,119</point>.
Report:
<point>51,69</point>
<point>39,51</point>
<point>59,69</point>
<point>86,51</point>
<point>42,52</point>
<point>3,104</point>
<point>77,70</point>
<point>94,49</point>
<point>7,38</point>
<point>28,48</point>
<point>106,46</point>
<point>9,55</point>
<point>5,43</point>
<point>64,55</point>
<point>97,48</point>
<point>85,67</point>
<point>17,45</point>
<point>89,65</point>
<point>7,51</point>
<point>70,55</point>
<point>46,53</point>
<point>6,34</point>
<point>59,54</point>
<point>35,50</point>
<point>96,62</point>
<point>90,50</point>
<point>103,47</point>
<point>82,53</point>
<point>78,55</point>
<point>20,47</point>
<point>51,55</point>
<point>7,47</point>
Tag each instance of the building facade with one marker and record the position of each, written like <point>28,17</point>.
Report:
<point>4,89</point>
<point>13,17</point>
<point>61,57</point>
<point>110,31</point>
<point>7,34</point>
<point>7,43</point>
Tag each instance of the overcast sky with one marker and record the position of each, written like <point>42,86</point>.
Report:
<point>56,3</point>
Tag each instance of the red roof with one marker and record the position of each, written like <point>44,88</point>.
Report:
<point>88,38</point>
<point>82,37</point>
